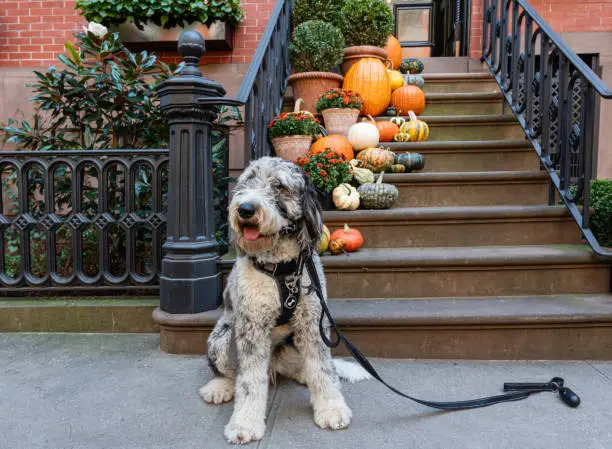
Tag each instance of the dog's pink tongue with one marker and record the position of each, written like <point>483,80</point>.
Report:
<point>250,233</point>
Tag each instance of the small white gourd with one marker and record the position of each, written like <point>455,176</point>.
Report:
<point>345,197</point>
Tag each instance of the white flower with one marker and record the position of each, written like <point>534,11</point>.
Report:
<point>96,29</point>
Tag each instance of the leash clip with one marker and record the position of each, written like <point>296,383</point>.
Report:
<point>556,385</point>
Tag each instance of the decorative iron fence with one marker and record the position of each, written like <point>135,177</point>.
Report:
<point>555,97</point>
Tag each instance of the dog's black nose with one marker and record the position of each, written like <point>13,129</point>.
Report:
<point>246,210</point>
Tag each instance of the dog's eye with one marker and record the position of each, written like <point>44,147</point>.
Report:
<point>282,189</point>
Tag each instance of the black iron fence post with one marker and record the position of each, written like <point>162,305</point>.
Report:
<point>190,281</point>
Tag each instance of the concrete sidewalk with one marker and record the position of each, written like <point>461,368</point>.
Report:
<point>75,391</point>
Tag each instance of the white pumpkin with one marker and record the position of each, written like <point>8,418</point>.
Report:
<point>345,197</point>
<point>363,135</point>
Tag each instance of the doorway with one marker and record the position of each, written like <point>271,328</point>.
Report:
<point>427,28</point>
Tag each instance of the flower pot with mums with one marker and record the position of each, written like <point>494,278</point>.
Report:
<point>340,109</point>
<point>292,133</point>
<point>316,48</point>
<point>366,26</point>
<point>326,170</point>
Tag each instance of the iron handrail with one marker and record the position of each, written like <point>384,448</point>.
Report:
<point>555,99</point>
<point>598,84</point>
<point>260,52</point>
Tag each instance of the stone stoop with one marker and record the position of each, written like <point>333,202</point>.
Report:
<point>471,263</point>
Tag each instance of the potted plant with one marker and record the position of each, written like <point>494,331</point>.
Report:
<point>316,48</point>
<point>157,24</point>
<point>340,109</point>
<point>292,133</point>
<point>326,170</point>
<point>366,26</point>
<point>325,10</point>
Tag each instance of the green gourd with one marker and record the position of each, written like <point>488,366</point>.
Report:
<point>377,195</point>
<point>411,65</point>
<point>412,161</point>
<point>414,80</point>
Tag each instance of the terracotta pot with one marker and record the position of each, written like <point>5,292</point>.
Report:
<point>291,147</point>
<point>354,54</point>
<point>311,85</point>
<point>339,120</point>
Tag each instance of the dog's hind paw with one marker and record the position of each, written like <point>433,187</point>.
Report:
<point>334,416</point>
<point>244,432</point>
<point>218,390</point>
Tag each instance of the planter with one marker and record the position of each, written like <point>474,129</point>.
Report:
<point>354,54</point>
<point>339,120</point>
<point>325,199</point>
<point>309,86</point>
<point>291,147</point>
<point>218,35</point>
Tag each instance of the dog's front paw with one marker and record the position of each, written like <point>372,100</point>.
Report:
<point>218,390</point>
<point>244,432</point>
<point>334,416</point>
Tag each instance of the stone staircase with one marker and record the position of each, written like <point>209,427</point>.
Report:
<point>471,262</point>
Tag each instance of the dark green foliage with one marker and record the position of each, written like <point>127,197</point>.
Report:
<point>601,203</point>
<point>316,46</point>
<point>325,10</point>
<point>166,13</point>
<point>103,98</point>
<point>366,22</point>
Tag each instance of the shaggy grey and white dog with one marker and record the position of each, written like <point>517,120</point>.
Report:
<point>246,349</point>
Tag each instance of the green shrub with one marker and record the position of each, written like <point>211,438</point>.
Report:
<point>316,46</point>
<point>601,202</point>
<point>366,22</point>
<point>165,13</point>
<point>325,10</point>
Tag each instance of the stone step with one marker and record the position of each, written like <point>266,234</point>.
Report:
<point>564,327</point>
<point>459,82</point>
<point>113,315</point>
<point>472,156</point>
<point>459,226</point>
<point>559,327</point>
<point>470,188</point>
<point>447,104</point>
<point>466,271</point>
<point>463,103</point>
<point>471,127</point>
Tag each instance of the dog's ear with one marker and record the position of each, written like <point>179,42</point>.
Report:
<point>312,219</point>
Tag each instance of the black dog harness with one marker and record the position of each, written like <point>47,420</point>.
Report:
<point>287,276</point>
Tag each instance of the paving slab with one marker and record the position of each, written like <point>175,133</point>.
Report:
<point>95,391</point>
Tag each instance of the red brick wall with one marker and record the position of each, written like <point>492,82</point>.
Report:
<point>562,15</point>
<point>32,33</point>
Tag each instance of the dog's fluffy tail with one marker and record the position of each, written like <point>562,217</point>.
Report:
<point>350,371</point>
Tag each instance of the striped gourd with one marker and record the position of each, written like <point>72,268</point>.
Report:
<point>412,161</point>
<point>413,130</point>
<point>376,159</point>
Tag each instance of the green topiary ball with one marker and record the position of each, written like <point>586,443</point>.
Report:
<point>366,22</point>
<point>316,46</point>
<point>325,10</point>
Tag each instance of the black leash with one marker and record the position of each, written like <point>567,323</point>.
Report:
<point>517,391</point>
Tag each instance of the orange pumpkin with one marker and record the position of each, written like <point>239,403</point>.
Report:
<point>336,142</point>
<point>352,237</point>
<point>386,129</point>
<point>394,52</point>
<point>369,78</point>
<point>408,98</point>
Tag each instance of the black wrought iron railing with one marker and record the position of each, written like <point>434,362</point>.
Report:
<point>263,88</point>
<point>82,218</point>
<point>555,96</point>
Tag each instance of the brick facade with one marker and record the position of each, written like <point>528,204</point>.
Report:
<point>33,33</point>
<point>562,15</point>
